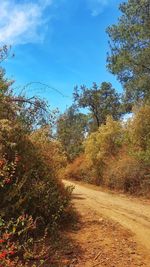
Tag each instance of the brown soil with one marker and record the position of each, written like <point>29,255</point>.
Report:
<point>100,239</point>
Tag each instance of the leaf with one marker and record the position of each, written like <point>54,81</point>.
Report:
<point>14,229</point>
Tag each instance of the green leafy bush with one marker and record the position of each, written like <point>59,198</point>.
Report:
<point>17,243</point>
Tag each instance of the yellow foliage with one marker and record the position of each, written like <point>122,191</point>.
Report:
<point>105,142</point>
<point>117,155</point>
<point>138,131</point>
<point>28,172</point>
<point>50,149</point>
<point>79,170</point>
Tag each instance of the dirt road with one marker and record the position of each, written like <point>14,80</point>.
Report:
<point>132,214</point>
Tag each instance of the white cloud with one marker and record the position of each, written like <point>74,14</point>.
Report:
<point>97,6</point>
<point>21,22</point>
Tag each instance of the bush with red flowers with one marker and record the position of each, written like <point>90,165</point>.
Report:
<point>33,201</point>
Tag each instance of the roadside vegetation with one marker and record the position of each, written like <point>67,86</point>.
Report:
<point>33,201</point>
<point>117,155</point>
<point>94,141</point>
<point>115,152</point>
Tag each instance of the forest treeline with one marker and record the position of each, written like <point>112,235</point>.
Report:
<point>117,155</point>
<point>109,144</point>
<point>93,140</point>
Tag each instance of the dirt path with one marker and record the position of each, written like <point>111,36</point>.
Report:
<point>114,230</point>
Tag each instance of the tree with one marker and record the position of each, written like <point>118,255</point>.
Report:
<point>100,101</point>
<point>26,154</point>
<point>30,112</point>
<point>6,109</point>
<point>138,133</point>
<point>29,164</point>
<point>5,52</point>
<point>51,150</point>
<point>71,130</point>
<point>130,50</point>
<point>103,145</point>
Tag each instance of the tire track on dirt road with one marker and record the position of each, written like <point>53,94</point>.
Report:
<point>133,214</point>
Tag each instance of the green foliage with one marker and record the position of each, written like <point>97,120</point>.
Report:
<point>29,112</point>
<point>117,155</point>
<point>102,145</point>
<point>138,131</point>
<point>30,160</point>
<point>17,243</point>
<point>100,101</point>
<point>71,130</point>
<point>130,49</point>
<point>28,178</point>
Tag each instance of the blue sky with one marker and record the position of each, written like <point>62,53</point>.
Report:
<point>61,43</point>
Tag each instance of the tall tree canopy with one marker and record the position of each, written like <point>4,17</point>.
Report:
<point>101,101</point>
<point>130,49</point>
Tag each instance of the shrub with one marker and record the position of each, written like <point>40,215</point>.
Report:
<point>117,155</point>
<point>138,133</point>
<point>17,243</point>
<point>102,145</point>
<point>128,174</point>
<point>30,183</point>
<point>32,200</point>
<point>50,149</point>
<point>79,170</point>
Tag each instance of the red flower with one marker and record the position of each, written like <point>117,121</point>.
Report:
<point>2,162</point>
<point>17,158</point>
<point>11,252</point>
<point>6,236</point>
<point>3,255</point>
<point>7,181</point>
<point>2,240</point>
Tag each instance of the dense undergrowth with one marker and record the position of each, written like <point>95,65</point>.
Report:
<point>117,155</point>
<point>97,146</point>
<point>33,201</point>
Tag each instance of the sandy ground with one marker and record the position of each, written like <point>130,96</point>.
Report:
<point>113,230</point>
